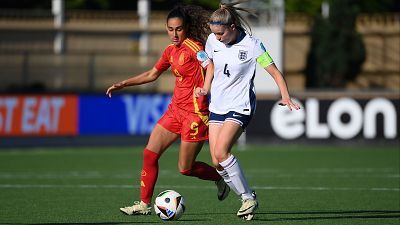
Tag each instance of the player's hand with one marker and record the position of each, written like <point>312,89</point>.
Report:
<point>199,92</point>
<point>114,87</point>
<point>288,102</point>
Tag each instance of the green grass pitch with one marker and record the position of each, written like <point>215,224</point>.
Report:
<point>295,184</point>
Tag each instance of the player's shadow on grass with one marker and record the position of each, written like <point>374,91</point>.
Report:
<point>97,223</point>
<point>110,223</point>
<point>329,215</point>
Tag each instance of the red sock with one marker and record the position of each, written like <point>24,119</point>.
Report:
<point>149,175</point>
<point>203,171</point>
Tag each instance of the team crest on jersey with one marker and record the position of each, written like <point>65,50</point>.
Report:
<point>242,55</point>
<point>181,59</point>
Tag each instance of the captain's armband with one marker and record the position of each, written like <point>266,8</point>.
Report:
<point>265,60</point>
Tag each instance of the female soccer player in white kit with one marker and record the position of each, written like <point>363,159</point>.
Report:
<point>235,54</point>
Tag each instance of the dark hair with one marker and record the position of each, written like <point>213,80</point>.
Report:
<point>228,14</point>
<point>195,21</point>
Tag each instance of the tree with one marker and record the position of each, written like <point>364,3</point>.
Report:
<point>337,51</point>
<point>312,7</point>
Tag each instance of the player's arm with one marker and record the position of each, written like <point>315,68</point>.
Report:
<point>146,77</point>
<point>280,81</point>
<point>267,63</point>
<point>200,91</point>
<point>207,64</point>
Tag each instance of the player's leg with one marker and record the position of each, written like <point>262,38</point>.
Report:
<point>229,132</point>
<point>228,135</point>
<point>160,139</point>
<point>213,132</point>
<point>214,129</point>
<point>194,133</point>
<point>190,167</point>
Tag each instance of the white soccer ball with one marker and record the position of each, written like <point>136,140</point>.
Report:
<point>169,205</point>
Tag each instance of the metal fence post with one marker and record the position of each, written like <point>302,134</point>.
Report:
<point>91,71</point>
<point>25,69</point>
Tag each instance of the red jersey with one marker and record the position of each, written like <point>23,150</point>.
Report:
<point>189,74</point>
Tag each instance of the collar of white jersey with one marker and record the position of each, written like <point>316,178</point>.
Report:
<point>242,34</point>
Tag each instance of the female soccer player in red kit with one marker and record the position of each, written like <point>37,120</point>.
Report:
<point>187,116</point>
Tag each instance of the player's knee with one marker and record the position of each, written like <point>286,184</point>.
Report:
<point>221,156</point>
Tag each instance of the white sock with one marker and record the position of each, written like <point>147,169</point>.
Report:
<point>232,167</point>
<point>227,180</point>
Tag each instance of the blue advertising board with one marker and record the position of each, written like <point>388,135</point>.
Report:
<point>341,118</point>
<point>121,114</point>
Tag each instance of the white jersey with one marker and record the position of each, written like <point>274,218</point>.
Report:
<point>232,88</point>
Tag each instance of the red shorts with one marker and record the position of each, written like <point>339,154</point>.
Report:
<point>191,126</point>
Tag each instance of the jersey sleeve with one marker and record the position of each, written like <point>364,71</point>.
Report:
<point>203,59</point>
<point>198,52</point>
<point>209,48</point>
<point>262,55</point>
<point>163,63</point>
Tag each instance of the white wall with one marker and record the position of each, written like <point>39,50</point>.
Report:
<point>272,38</point>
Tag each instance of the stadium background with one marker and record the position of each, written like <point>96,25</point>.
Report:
<point>101,46</point>
<point>53,98</point>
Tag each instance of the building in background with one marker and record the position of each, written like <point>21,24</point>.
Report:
<point>100,44</point>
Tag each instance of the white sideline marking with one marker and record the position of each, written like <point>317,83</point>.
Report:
<point>327,170</point>
<point>4,186</point>
<point>176,175</point>
<point>388,173</point>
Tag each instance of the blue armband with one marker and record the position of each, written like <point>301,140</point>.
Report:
<point>203,58</point>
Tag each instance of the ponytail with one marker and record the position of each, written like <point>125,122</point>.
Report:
<point>228,13</point>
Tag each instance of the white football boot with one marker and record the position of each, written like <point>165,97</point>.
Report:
<point>249,206</point>
<point>138,208</point>
<point>223,189</point>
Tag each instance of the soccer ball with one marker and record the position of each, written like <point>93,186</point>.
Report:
<point>169,205</point>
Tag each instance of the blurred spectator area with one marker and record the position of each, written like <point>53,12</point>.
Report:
<point>102,48</point>
<point>381,36</point>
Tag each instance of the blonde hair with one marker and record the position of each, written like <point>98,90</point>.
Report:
<point>228,13</point>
